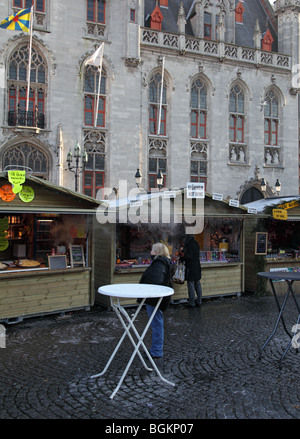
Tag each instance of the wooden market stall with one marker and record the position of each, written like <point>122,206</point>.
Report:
<point>123,249</point>
<point>272,237</point>
<point>46,249</point>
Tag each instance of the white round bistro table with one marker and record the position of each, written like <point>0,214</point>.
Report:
<point>134,291</point>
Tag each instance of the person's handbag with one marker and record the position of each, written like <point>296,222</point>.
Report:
<point>179,275</point>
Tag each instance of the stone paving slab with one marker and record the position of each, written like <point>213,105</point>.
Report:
<point>211,354</point>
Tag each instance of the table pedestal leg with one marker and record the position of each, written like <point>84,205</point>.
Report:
<point>122,339</point>
<point>119,309</point>
<point>289,345</point>
<point>280,316</point>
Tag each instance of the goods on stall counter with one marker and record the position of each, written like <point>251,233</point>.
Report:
<point>3,266</point>
<point>27,263</point>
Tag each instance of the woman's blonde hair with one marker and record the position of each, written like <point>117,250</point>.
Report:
<point>161,249</point>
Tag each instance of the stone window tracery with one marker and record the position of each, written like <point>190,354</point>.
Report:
<point>17,88</point>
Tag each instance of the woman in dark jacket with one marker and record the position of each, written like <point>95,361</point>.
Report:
<point>192,270</point>
<point>157,273</point>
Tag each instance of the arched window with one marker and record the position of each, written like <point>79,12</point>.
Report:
<point>91,84</point>
<point>198,148</point>
<point>237,115</point>
<point>94,136</point>
<point>157,128</point>
<point>95,17</point>
<point>271,119</point>
<point>198,110</point>
<point>155,109</point>
<point>95,11</point>
<point>94,174</point>
<point>17,88</point>
<point>272,148</point>
<point>28,156</point>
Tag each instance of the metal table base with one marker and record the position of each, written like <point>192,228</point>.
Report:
<point>123,317</point>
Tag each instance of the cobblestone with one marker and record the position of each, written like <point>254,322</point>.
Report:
<point>211,354</point>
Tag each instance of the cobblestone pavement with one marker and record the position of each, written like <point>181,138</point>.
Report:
<point>211,354</point>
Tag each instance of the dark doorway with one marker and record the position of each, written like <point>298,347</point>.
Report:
<point>250,195</point>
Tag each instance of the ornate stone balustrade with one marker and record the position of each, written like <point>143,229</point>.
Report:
<point>283,3</point>
<point>222,51</point>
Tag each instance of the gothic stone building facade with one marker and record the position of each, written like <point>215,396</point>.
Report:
<point>227,113</point>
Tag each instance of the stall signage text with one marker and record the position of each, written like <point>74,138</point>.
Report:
<point>6,193</point>
<point>234,203</point>
<point>26,194</point>
<point>289,205</point>
<point>195,190</point>
<point>16,178</point>
<point>280,214</point>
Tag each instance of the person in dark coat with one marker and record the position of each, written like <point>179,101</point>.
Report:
<point>157,273</point>
<point>191,258</point>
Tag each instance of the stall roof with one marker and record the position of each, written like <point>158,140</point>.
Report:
<point>48,198</point>
<point>264,204</point>
<point>220,207</point>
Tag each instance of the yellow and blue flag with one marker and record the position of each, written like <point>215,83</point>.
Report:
<point>19,21</point>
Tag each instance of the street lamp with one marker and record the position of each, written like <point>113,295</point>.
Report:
<point>159,179</point>
<point>138,178</point>
<point>76,168</point>
<point>263,186</point>
<point>277,186</point>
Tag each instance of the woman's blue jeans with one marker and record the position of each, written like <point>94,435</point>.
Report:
<point>157,326</point>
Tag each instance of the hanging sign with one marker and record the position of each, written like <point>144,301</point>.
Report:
<point>261,243</point>
<point>217,197</point>
<point>6,193</point>
<point>289,205</point>
<point>234,203</point>
<point>16,178</point>
<point>195,190</point>
<point>26,194</point>
<point>280,214</point>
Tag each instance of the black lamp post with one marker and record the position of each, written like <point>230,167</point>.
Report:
<point>263,185</point>
<point>138,178</point>
<point>159,179</point>
<point>277,186</point>
<point>76,168</point>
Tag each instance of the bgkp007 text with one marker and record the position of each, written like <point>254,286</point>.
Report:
<point>170,428</point>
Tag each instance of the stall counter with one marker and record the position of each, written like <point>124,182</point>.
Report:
<point>217,279</point>
<point>25,293</point>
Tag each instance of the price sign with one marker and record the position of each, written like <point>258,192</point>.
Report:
<point>16,178</point>
<point>6,193</point>
<point>26,194</point>
<point>280,214</point>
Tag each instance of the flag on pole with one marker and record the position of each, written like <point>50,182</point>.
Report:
<point>161,95</point>
<point>29,60</point>
<point>96,58</point>
<point>18,21</point>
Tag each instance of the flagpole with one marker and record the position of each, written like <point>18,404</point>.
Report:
<point>98,93</point>
<point>29,59</point>
<point>161,94</point>
<point>97,100</point>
